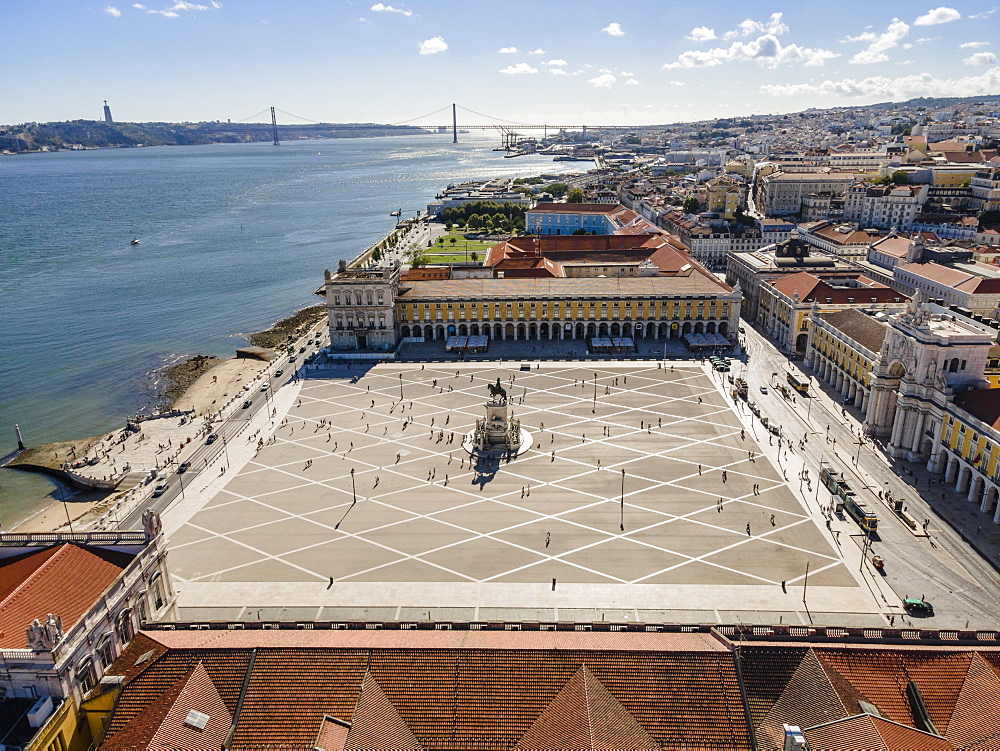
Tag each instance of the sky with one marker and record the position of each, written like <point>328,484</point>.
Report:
<point>560,62</point>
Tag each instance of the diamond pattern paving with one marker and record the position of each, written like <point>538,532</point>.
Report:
<point>425,515</point>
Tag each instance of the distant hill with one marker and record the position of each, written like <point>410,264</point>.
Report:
<point>98,134</point>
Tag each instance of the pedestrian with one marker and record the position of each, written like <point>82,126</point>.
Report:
<point>699,469</point>
<point>748,529</point>
<point>548,538</point>
<point>772,520</point>
<point>725,477</point>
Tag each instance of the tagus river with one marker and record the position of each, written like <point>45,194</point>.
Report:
<point>233,237</point>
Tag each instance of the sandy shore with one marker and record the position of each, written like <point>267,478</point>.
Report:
<point>210,391</point>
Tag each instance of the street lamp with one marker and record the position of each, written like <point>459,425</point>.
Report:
<point>594,409</point>
<point>400,393</point>
<point>62,497</point>
<point>622,525</point>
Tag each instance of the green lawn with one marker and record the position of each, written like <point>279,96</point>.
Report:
<point>459,247</point>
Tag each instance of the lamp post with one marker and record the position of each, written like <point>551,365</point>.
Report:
<point>594,409</point>
<point>62,497</point>
<point>622,525</point>
<point>400,392</point>
<point>354,493</point>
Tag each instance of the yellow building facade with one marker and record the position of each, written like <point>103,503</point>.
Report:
<point>567,308</point>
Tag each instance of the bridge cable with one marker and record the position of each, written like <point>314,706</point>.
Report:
<point>405,122</point>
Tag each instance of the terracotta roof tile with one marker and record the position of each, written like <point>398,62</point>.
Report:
<point>377,725</point>
<point>332,735</point>
<point>809,698</point>
<point>869,732</point>
<point>976,716</point>
<point>66,583</point>
<point>199,694</point>
<point>983,404</point>
<point>867,331</point>
<point>584,715</point>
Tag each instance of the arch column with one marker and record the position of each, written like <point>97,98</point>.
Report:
<point>951,468</point>
<point>975,485</point>
<point>898,425</point>
<point>918,432</point>
<point>963,478</point>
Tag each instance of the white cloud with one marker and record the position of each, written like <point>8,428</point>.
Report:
<point>701,34</point>
<point>767,51</point>
<point>433,45</point>
<point>113,11</point>
<point>904,87</point>
<point>985,14</point>
<point>677,83</point>
<point>895,32</point>
<point>519,70</point>
<point>938,15</point>
<point>981,58</point>
<point>864,36</point>
<point>631,82</point>
<point>557,63</point>
<point>613,29</point>
<point>174,10</point>
<point>558,72</point>
<point>748,26</point>
<point>627,74</point>
<point>507,51</point>
<point>917,42</point>
<point>603,81</point>
<point>383,8</point>
<point>973,45</point>
<point>538,51</point>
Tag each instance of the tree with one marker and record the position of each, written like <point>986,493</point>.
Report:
<point>474,256</point>
<point>575,196</point>
<point>452,240</point>
<point>691,205</point>
<point>558,190</point>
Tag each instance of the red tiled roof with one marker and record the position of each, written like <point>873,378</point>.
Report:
<point>377,724</point>
<point>584,715</point>
<point>872,734</point>
<point>810,288</point>
<point>65,580</point>
<point>200,695</point>
<point>456,690</point>
<point>983,404</point>
<point>578,208</point>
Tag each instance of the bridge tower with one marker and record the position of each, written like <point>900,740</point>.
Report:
<point>107,113</point>
<point>274,127</point>
<point>454,124</point>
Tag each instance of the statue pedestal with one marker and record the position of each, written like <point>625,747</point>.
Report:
<point>496,435</point>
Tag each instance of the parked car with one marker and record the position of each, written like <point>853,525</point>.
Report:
<point>918,606</point>
<point>212,438</point>
<point>159,490</point>
<point>183,467</point>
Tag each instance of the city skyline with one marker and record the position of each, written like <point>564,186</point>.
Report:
<point>645,63</point>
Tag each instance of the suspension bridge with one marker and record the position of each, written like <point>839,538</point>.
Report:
<point>269,117</point>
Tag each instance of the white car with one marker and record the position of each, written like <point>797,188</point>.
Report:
<point>763,389</point>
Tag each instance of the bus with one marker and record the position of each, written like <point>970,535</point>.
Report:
<point>799,384</point>
<point>867,520</point>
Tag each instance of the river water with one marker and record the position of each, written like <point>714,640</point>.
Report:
<point>233,237</point>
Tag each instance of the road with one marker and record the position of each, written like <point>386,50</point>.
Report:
<point>963,588</point>
<point>206,457</point>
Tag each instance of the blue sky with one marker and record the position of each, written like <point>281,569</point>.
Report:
<point>553,61</point>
